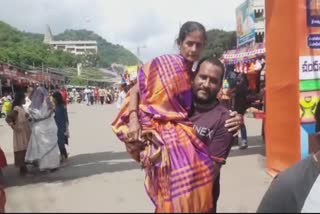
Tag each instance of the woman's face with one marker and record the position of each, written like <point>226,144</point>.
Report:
<point>192,46</point>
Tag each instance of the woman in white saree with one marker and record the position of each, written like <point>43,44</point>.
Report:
<point>43,146</point>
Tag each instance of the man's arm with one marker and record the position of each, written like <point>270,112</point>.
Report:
<point>222,140</point>
<point>220,144</point>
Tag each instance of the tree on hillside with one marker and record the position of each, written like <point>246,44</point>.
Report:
<point>219,41</point>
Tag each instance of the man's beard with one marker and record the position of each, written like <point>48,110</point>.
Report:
<point>210,99</point>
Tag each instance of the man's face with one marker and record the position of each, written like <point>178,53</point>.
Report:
<point>207,82</point>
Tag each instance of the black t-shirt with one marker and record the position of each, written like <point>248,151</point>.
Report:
<point>209,126</point>
<point>295,190</point>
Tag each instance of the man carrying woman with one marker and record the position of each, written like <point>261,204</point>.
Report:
<point>179,169</point>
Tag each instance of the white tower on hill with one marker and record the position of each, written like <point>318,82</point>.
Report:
<point>48,35</point>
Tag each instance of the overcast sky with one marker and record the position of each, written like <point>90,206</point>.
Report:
<point>130,23</point>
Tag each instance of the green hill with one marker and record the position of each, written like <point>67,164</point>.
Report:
<point>22,49</point>
<point>108,53</point>
<point>219,41</point>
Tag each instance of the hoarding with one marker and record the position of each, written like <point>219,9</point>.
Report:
<point>245,23</point>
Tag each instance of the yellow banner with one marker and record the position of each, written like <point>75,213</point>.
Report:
<point>132,69</point>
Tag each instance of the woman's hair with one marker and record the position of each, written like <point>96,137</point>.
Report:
<point>189,27</point>
<point>18,99</point>
<point>58,98</point>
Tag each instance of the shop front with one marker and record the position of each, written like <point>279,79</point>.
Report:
<point>249,61</point>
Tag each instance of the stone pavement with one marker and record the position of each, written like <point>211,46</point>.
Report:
<point>100,177</point>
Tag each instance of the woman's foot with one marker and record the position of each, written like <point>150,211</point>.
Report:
<point>64,161</point>
<point>23,171</point>
<point>53,170</point>
<point>243,144</point>
<point>63,158</point>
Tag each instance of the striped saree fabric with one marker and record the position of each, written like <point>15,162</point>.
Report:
<point>179,170</point>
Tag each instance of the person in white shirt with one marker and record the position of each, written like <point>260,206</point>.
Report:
<point>121,96</point>
<point>28,99</point>
<point>87,92</point>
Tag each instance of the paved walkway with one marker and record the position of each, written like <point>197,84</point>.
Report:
<point>101,177</point>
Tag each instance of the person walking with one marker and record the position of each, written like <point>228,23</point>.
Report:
<point>43,145</point>
<point>61,118</point>
<point>240,105</point>
<point>102,94</point>
<point>18,121</point>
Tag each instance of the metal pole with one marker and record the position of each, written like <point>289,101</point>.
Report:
<point>138,52</point>
<point>12,89</point>
<point>0,87</point>
<point>49,79</point>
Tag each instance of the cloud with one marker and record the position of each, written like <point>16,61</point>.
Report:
<point>153,23</point>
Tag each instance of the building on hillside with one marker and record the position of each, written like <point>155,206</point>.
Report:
<point>74,47</point>
<point>250,19</point>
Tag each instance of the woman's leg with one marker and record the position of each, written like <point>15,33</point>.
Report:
<point>62,146</point>
<point>23,170</point>
<point>19,158</point>
<point>243,131</point>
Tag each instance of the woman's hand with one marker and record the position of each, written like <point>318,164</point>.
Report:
<point>234,123</point>
<point>134,132</point>
<point>11,124</point>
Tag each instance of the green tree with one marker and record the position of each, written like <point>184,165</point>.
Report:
<point>218,42</point>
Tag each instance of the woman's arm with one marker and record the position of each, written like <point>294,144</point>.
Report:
<point>134,132</point>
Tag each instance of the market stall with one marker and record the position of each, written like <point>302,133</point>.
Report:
<point>14,78</point>
<point>251,62</point>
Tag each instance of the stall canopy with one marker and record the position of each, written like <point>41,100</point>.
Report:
<point>244,55</point>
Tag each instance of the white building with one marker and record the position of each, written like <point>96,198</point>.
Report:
<point>259,15</point>
<point>75,47</point>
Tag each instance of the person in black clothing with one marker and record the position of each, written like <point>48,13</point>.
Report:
<point>61,121</point>
<point>240,105</point>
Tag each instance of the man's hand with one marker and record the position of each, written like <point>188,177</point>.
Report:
<point>234,123</point>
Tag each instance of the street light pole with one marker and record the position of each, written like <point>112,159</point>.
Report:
<point>138,51</point>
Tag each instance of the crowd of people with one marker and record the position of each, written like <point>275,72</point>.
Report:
<point>96,95</point>
<point>93,95</point>
<point>39,122</point>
